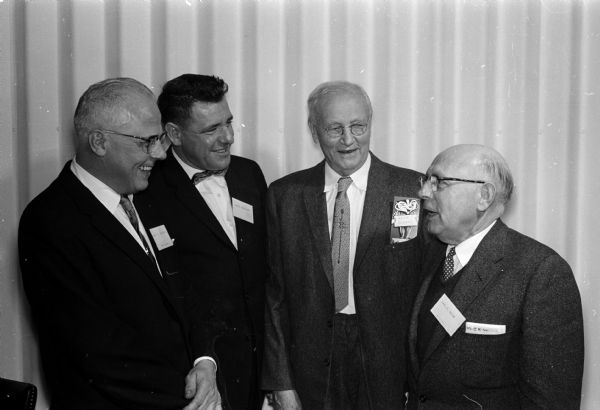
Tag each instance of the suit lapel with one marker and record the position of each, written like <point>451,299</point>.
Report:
<point>376,210</point>
<point>481,269</point>
<point>109,226</point>
<point>237,190</point>
<point>176,178</point>
<point>316,209</point>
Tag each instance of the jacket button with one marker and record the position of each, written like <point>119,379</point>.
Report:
<point>330,323</point>
<point>422,398</point>
<point>326,361</point>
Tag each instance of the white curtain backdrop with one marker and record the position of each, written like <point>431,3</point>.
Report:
<point>522,76</point>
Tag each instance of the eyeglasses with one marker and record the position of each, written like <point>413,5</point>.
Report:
<point>355,129</point>
<point>147,142</point>
<point>434,181</point>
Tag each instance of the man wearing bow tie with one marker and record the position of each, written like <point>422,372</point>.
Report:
<point>209,203</point>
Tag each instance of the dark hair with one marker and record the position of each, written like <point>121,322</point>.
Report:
<point>179,95</point>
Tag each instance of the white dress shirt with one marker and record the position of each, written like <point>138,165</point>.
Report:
<point>214,191</point>
<point>356,196</point>
<point>111,201</point>
<point>466,249</point>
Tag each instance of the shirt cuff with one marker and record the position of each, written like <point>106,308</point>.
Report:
<point>205,358</point>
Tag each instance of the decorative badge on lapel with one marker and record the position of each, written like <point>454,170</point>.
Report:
<point>405,219</point>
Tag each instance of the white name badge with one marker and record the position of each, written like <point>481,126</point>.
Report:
<point>161,237</point>
<point>242,210</point>
<point>484,329</point>
<point>447,314</point>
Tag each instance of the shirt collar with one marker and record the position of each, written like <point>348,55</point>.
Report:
<point>466,249</point>
<point>190,170</point>
<point>105,194</point>
<point>359,177</point>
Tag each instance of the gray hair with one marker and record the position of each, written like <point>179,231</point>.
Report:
<point>493,166</point>
<point>104,102</point>
<point>496,167</point>
<point>316,96</point>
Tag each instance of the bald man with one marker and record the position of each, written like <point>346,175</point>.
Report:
<point>497,323</point>
<point>116,329</point>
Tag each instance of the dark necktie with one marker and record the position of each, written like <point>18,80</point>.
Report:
<point>340,244</point>
<point>199,176</point>
<point>130,211</point>
<point>448,271</point>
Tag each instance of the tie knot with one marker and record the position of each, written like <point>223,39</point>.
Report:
<point>199,176</point>
<point>344,183</point>
<point>451,252</point>
<point>125,203</point>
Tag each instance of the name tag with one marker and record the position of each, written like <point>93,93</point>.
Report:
<point>242,210</point>
<point>161,237</point>
<point>447,314</point>
<point>484,329</point>
<point>405,219</point>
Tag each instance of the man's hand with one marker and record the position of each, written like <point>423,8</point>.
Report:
<point>201,386</point>
<point>286,400</point>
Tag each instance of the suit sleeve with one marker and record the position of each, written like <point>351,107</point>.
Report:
<point>78,319</point>
<point>552,339</point>
<point>276,374</point>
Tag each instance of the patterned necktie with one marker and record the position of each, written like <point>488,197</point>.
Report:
<point>130,211</point>
<point>448,271</point>
<point>199,176</point>
<point>340,244</point>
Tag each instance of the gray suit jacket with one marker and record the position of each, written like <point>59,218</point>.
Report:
<point>300,301</point>
<point>515,281</point>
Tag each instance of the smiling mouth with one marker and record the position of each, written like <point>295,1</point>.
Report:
<point>350,151</point>
<point>146,168</point>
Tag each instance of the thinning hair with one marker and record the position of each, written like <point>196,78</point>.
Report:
<point>179,95</point>
<point>493,166</point>
<point>496,167</point>
<point>317,95</point>
<point>104,102</point>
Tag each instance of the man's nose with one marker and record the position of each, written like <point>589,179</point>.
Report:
<point>425,191</point>
<point>226,135</point>
<point>347,137</point>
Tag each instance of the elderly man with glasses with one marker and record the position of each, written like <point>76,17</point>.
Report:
<point>344,248</point>
<point>116,328</point>
<point>497,323</point>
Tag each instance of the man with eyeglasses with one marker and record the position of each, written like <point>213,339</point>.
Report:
<point>344,246</point>
<point>116,328</point>
<point>497,323</point>
<point>210,205</point>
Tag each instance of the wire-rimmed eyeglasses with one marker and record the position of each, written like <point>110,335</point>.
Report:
<point>357,130</point>
<point>434,181</point>
<point>148,143</point>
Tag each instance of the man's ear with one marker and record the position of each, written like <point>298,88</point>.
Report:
<point>487,196</point>
<point>98,143</point>
<point>174,133</point>
<point>313,132</point>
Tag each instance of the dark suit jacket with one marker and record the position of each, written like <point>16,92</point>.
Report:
<point>515,281</point>
<point>112,335</point>
<point>229,282</point>
<point>300,300</point>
